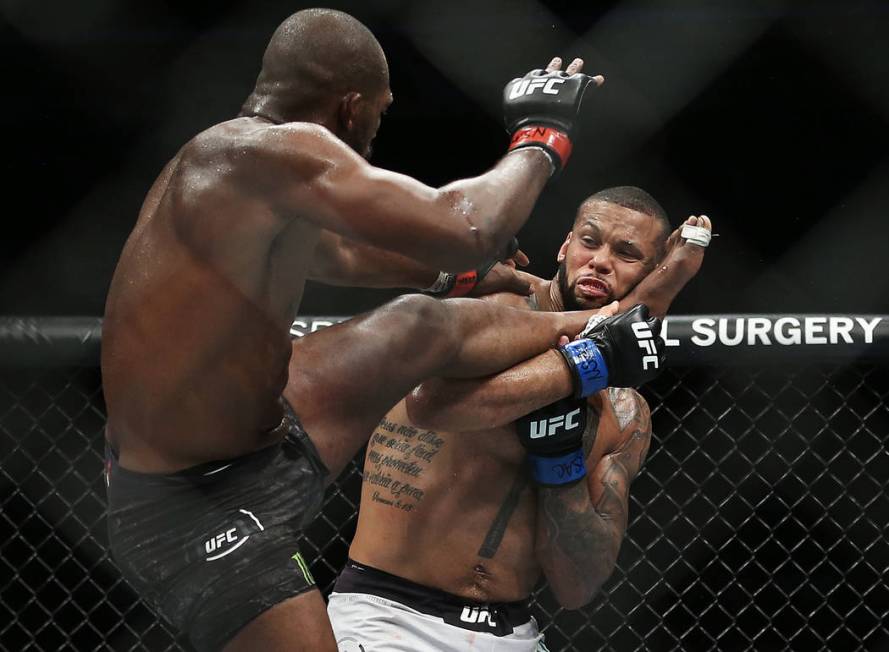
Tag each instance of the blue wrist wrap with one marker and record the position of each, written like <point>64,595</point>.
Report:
<point>557,471</point>
<point>587,365</point>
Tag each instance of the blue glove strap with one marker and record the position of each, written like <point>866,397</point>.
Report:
<point>557,471</point>
<point>589,366</point>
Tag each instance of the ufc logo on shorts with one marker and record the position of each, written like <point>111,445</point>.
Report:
<point>230,535</point>
<point>219,546</point>
<point>478,615</point>
<point>646,342</point>
<point>549,427</point>
<point>527,87</point>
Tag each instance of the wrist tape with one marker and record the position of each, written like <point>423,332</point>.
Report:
<point>696,235</point>
<point>448,286</point>
<point>558,471</point>
<point>587,366</point>
<point>552,141</point>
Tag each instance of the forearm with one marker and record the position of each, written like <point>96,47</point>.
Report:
<point>342,261</point>
<point>479,404</point>
<point>496,204</point>
<point>577,546</point>
<point>679,266</point>
<point>658,289</point>
<point>581,527</point>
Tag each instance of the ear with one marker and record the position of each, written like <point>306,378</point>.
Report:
<point>348,110</point>
<point>563,250</point>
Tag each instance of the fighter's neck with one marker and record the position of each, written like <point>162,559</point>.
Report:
<point>547,297</point>
<point>272,112</point>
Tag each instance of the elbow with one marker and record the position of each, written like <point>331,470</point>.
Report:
<point>573,603</point>
<point>421,406</point>
<point>585,584</point>
<point>474,241</point>
<point>576,595</point>
<point>580,594</point>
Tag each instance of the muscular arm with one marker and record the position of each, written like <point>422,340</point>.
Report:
<point>501,399</point>
<point>343,261</point>
<point>580,528</point>
<point>452,228</point>
<point>477,404</point>
<point>679,265</point>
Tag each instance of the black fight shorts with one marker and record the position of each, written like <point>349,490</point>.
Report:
<point>212,547</point>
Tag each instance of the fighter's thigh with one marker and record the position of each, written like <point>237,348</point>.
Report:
<point>343,379</point>
<point>297,624</point>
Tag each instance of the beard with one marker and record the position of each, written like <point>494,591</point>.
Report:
<point>569,294</point>
<point>569,302</point>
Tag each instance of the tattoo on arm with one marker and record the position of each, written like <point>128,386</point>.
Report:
<point>501,520</point>
<point>574,532</point>
<point>584,524</point>
<point>592,429</point>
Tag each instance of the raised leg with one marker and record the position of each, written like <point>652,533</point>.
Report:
<point>345,378</point>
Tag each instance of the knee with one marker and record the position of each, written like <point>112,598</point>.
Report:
<point>428,322</point>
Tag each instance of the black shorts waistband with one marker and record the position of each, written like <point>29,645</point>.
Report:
<point>498,618</point>
<point>294,438</point>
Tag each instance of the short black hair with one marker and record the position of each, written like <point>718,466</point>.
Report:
<point>638,200</point>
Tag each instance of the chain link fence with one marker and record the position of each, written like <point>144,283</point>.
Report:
<point>759,521</point>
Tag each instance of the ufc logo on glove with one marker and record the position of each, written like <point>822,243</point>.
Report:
<point>645,340</point>
<point>549,427</point>
<point>528,86</point>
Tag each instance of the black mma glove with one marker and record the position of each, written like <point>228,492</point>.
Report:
<point>540,110</point>
<point>621,351</point>
<point>553,437</point>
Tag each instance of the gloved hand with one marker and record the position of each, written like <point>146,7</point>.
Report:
<point>449,285</point>
<point>553,437</point>
<point>541,109</point>
<point>625,350</point>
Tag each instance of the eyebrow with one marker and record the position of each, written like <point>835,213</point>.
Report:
<point>629,245</point>
<point>632,248</point>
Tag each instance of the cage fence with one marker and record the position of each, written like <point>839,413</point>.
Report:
<point>759,521</point>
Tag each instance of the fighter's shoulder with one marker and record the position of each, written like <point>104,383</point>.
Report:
<point>251,141</point>
<point>622,412</point>
<point>627,404</point>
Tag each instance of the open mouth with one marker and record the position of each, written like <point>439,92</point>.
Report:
<point>592,287</point>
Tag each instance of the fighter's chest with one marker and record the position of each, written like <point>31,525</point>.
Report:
<point>495,451</point>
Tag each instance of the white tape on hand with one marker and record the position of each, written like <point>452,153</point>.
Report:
<point>696,235</point>
<point>591,324</point>
<point>443,284</point>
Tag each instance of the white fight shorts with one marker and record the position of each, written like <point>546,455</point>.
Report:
<point>374,611</point>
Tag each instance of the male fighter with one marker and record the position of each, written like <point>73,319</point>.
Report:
<point>459,516</point>
<point>210,475</point>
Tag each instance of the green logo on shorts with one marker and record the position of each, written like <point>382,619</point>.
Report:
<point>304,567</point>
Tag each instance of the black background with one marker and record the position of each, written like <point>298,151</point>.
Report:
<point>772,118</point>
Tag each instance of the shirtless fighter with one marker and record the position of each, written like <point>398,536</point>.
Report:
<point>459,516</point>
<point>210,474</point>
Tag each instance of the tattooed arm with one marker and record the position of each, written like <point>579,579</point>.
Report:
<point>580,527</point>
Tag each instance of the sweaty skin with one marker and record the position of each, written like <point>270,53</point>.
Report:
<point>446,499</point>
<point>195,344</point>
<point>195,341</point>
<point>457,510</point>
